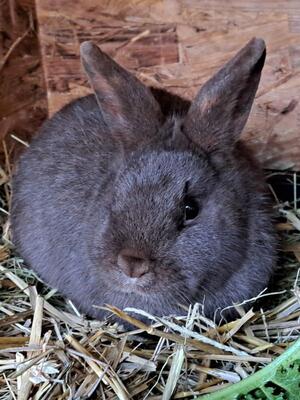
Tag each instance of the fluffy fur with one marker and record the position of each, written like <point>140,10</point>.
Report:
<point>110,172</point>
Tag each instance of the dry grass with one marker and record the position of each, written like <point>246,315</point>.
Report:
<point>48,350</point>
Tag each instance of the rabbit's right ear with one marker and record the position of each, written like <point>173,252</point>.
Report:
<point>128,108</point>
<point>220,111</point>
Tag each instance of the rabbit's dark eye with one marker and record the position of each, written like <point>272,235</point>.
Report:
<point>191,208</point>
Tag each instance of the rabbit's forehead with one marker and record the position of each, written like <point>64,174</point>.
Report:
<point>164,173</point>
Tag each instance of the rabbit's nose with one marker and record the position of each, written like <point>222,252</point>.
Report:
<point>133,263</point>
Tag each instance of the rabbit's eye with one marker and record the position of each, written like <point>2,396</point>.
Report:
<point>191,208</point>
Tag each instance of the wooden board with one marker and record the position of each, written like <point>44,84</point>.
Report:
<point>178,44</point>
<point>23,104</point>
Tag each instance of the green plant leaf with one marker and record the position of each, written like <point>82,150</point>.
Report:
<point>280,380</point>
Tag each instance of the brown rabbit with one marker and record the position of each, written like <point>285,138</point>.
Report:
<point>134,197</point>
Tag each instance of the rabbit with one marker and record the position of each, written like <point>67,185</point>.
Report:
<point>135,197</point>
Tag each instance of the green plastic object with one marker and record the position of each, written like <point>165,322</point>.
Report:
<point>280,380</point>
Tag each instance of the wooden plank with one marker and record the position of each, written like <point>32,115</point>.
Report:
<point>178,44</point>
<point>23,104</point>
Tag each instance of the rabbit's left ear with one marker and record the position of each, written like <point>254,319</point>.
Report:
<point>221,109</point>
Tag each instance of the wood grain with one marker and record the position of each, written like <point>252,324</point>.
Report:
<point>178,44</point>
<point>23,105</point>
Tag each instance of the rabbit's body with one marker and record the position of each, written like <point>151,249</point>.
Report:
<point>150,219</point>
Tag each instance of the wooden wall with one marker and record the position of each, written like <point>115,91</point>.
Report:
<point>23,105</point>
<point>178,44</point>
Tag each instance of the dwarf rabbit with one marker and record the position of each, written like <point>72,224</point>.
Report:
<point>134,197</point>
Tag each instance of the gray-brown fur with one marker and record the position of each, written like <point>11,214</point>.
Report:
<point>98,198</point>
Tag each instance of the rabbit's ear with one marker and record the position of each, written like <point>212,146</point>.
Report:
<point>220,110</point>
<point>128,108</point>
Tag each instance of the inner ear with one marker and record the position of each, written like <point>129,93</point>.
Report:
<point>128,108</point>
<point>220,111</point>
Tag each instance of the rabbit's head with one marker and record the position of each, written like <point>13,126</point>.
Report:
<point>185,213</point>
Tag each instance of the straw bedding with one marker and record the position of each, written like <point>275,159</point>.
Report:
<point>48,350</point>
